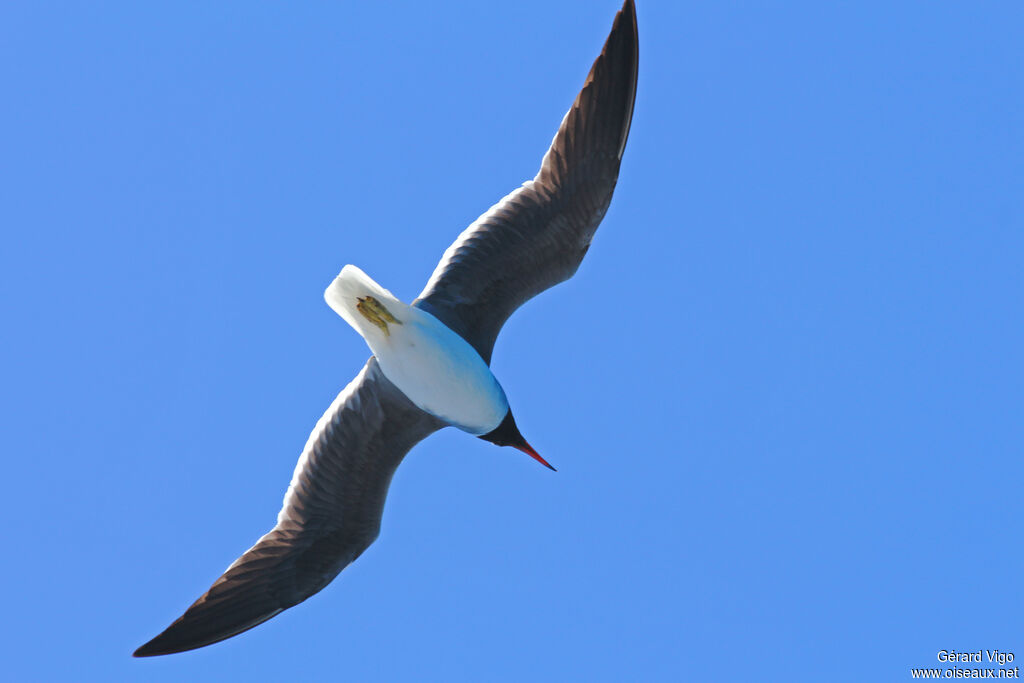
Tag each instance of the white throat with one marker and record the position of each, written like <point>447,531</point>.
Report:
<point>433,366</point>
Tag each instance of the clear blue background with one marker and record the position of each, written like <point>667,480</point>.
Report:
<point>784,391</point>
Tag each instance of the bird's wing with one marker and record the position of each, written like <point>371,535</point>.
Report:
<point>331,514</point>
<point>536,236</point>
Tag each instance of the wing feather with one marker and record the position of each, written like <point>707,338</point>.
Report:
<point>331,514</point>
<point>537,236</point>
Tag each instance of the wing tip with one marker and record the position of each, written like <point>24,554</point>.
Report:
<point>182,637</point>
<point>628,11</point>
<point>153,649</point>
<point>173,639</point>
<point>612,79</point>
<point>163,644</point>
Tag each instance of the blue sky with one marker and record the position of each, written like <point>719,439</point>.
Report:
<point>784,391</point>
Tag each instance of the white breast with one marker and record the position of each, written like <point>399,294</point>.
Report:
<point>433,366</point>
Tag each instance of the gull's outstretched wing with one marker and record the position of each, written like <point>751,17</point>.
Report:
<point>536,237</point>
<point>331,514</point>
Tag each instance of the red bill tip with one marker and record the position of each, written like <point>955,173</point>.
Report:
<point>528,449</point>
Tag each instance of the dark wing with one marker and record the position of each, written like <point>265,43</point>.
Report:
<point>331,514</point>
<point>536,237</point>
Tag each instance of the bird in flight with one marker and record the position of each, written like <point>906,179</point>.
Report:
<point>430,362</point>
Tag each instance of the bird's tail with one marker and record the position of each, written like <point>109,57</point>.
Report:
<point>352,285</point>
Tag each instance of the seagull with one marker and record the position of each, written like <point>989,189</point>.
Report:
<point>430,366</point>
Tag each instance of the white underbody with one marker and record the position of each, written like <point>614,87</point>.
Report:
<point>433,366</point>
